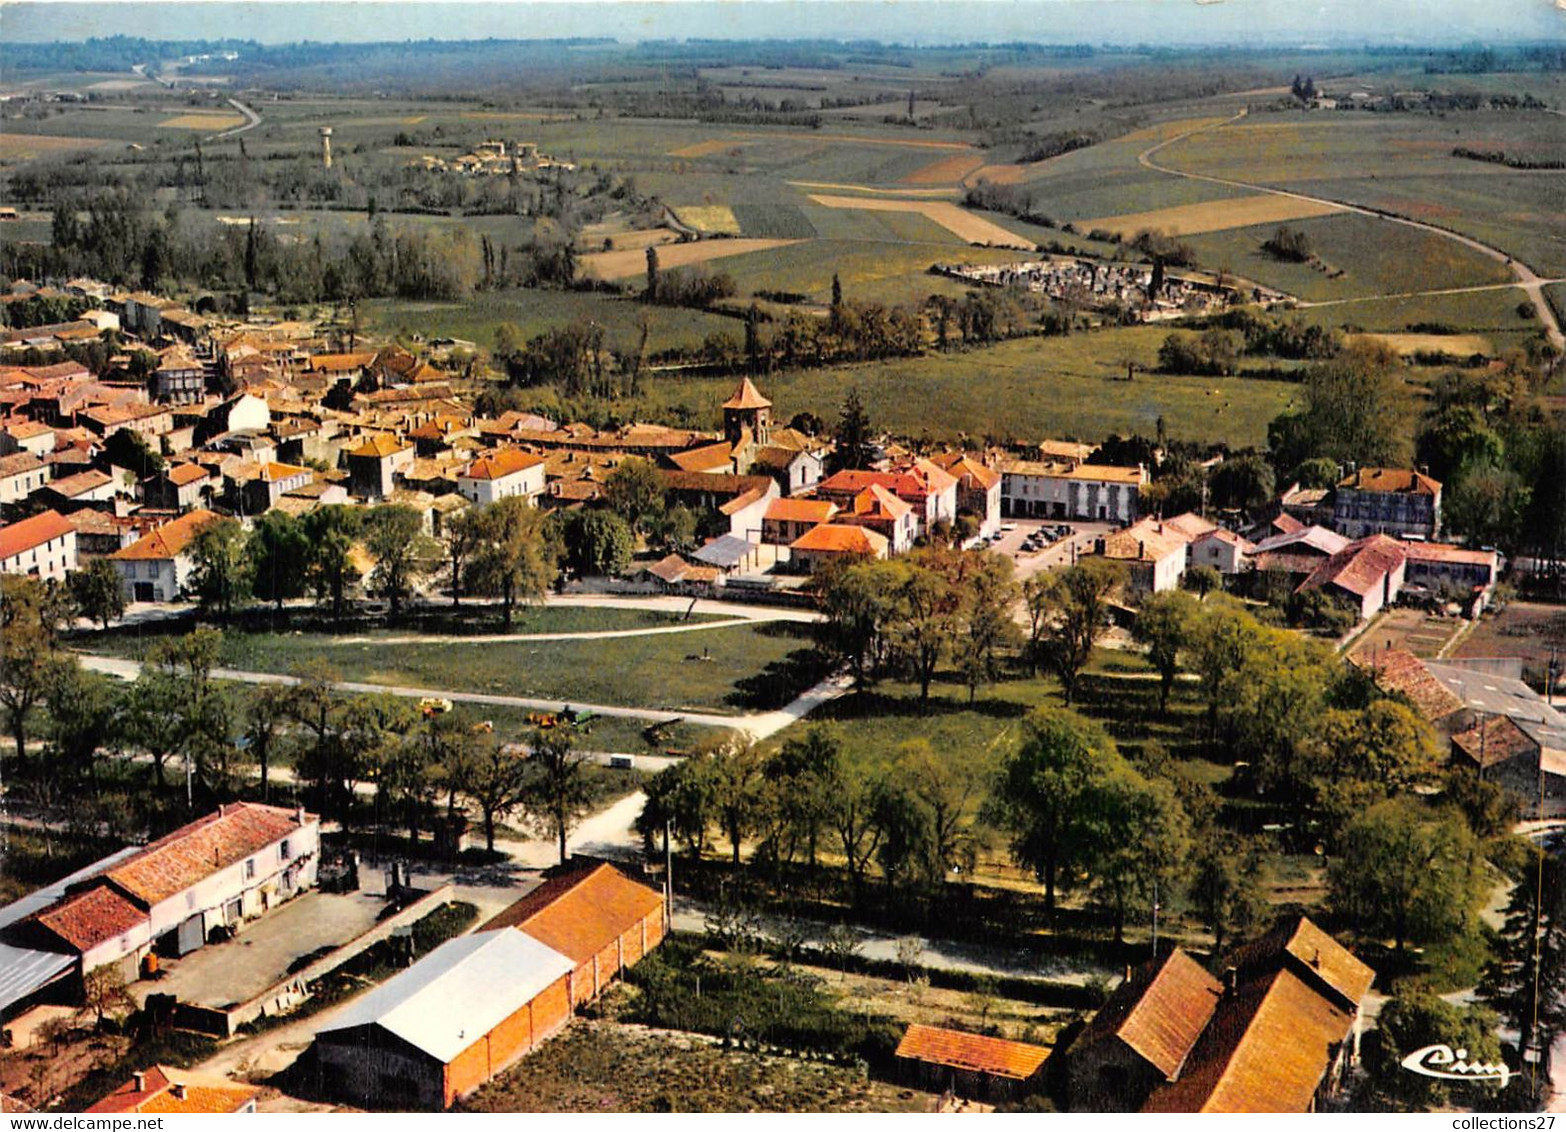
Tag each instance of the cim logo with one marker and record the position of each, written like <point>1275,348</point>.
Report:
<point>1452,1065</point>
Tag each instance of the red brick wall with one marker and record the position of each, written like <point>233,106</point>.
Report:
<point>510,1039</point>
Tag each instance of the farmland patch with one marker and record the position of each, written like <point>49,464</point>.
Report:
<point>27,147</point>
<point>948,170</point>
<point>624,264</point>
<point>1213,216</point>
<point>962,224</point>
<point>201,121</point>
<point>1458,345</point>
<point>775,222</point>
<point>712,219</point>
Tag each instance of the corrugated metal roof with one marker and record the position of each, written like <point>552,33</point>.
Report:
<point>459,992</point>
<point>24,969</point>
<point>997,1056</point>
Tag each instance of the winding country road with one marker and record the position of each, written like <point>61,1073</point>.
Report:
<point>252,121</point>
<point>1525,278</point>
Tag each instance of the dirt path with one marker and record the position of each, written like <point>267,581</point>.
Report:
<point>252,120</point>
<point>1526,279</point>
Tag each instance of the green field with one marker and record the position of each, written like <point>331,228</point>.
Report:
<point>1491,313</point>
<point>1375,256</point>
<point>649,672</point>
<point>1025,390</point>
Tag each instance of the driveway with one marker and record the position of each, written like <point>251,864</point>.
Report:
<point>258,957</point>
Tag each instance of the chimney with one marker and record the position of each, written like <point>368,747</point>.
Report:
<point>1231,979</point>
<point>299,815</point>
<point>220,809</point>
<point>1141,549</point>
<point>178,1089</point>
<point>140,1082</point>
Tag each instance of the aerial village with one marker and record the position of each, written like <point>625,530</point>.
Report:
<point>418,986</point>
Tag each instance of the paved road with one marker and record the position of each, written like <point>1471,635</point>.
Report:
<point>252,120</point>
<point>1525,277</point>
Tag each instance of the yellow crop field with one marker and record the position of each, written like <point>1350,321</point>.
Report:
<point>997,174</point>
<point>703,149</point>
<point>1212,216</point>
<point>713,219</point>
<point>960,223</point>
<point>633,261</point>
<point>26,147</point>
<point>946,192</point>
<point>948,170</point>
<point>203,121</point>
<point>1458,345</point>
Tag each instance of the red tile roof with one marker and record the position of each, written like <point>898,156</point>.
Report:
<point>166,1090</point>
<point>506,462</point>
<point>1400,671</point>
<point>995,1056</point>
<point>196,851</point>
<point>41,528</point>
<point>88,918</point>
<point>170,540</point>
<point>1318,957</point>
<point>1266,1050</point>
<point>1399,480</point>
<point>747,396</point>
<point>581,913</point>
<point>1494,741</point>
<point>705,458</point>
<point>837,538</point>
<point>800,510</point>
<point>1359,567</point>
<point>1159,1012</point>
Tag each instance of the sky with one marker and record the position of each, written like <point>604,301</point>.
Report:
<point>1261,22</point>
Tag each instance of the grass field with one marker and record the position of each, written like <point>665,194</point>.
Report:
<point>1376,258</point>
<point>1212,216</point>
<point>1024,390</point>
<point>649,672</point>
<point>1461,345</point>
<point>601,1067</point>
<point>632,262</point>
<point>29,147</point>
<point>1491,313</point>
<point>712,218</point>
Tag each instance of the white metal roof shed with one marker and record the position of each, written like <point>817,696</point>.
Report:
<point>459,992</point>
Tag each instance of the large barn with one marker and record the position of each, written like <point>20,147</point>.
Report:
<point>471,1007</point>
<point>447,1024</point>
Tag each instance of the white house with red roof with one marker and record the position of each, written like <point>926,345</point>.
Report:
<point>501,475</point>
<point>156,566</point>
<point>43,546</point>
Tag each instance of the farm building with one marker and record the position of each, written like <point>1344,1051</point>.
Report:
<point>1277,1034</point>
<point>599,917</point>
<point>471,1007</point>
<point>162,1089</point>
<point>222,869</point>
<point>463,1013</point>
<point>972,1066</point>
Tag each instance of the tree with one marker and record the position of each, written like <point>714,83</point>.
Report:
<point>463,535</point>
<point>1356,409</point>
<point>84,708</point>
<point>264,718</point>
<point>29,662</point>
<point>98,591</point>
<point>598,542</point>
<point>857,600</point>
<point>331,532</point>
<point>855,445</point>
<point>923,620</point>
<point>516,555</point>
<point>1221,639</point>
<point>985,624</point>
<point>634,491</point>
<point>557,792</point>
<point>1074,614</point>
<point>805,772</point>
<point>735,769</point>
<point>1415,1019</point>
<point>1228,888</point>
<point>1527,981</point>
<point>1143,841</point>
<point>853,820</point>
<point>104,994</point>
<point>277,549</point>
<point>1408,873</point>
<point>1047,794</point>
<point>126,448</point>
<point>680,798</point>
<point>651,294</point>
<point>220,570</point>
<point>496,779</point>
<point>394,536</point>
<point>1163,624</point>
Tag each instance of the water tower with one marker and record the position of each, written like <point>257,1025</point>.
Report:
<point>326,147</point>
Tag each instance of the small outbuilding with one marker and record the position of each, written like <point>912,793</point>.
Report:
<point>972,1066</point>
